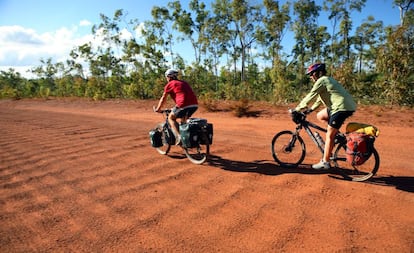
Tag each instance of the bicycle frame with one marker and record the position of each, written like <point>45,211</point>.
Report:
<point>307,125</point>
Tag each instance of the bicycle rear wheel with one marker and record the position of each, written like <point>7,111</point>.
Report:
<point>165,136</point>
<point>198,154</point>
<point>356,173</point>
<point>288,149</point>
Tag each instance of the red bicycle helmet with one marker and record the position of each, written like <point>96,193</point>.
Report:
<point>315,67</point>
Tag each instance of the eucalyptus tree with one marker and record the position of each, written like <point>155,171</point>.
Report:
<point>103,56</point>
<point>240,19</point>
<point>275,23</point>
<point>216,44</point>
<point>340,13</point>
<point>159,34</point>
<point>108,60</point>
<point>246,19</point>
<point>396,60</point>
<point>405,7</point>
<point>305,28</point>
<point>223,16</point>
<point>270,35</point>
<point>318,44</point>
<point>367,39</point>
<point>191,28</point>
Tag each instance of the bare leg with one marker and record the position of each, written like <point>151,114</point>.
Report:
<point>174,125</point>
<point>323,115</point>
<point>329,142</point>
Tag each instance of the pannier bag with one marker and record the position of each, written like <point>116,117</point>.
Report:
<point>359,147</point>
<point>191,132</point>
<point>360,142</point>
<point>155,138</point>
<point>209,134</point>
<point>170,138</point>
<point>362,128</point>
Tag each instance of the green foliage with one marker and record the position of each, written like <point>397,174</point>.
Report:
<point>237,48</point>
<point>208,101</point>
<point>44,92</point>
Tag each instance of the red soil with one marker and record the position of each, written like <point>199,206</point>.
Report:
<point>81,176</point>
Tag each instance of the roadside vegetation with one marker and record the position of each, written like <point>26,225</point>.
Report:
<point>237,54</point>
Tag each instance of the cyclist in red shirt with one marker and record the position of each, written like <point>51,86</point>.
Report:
<point>185,101</point>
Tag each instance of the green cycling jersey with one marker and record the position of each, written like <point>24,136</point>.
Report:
<point>331,93</point>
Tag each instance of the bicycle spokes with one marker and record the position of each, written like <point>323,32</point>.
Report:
<point>289,147</point>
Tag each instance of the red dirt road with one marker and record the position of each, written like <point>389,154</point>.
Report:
<point>81,176</point>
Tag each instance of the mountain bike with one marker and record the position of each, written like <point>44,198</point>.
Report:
<point>289,149</point>
<point>196,150</point>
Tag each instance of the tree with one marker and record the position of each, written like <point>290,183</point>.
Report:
<point>192,29</point>
<point>304,27</point>
<point>340,11</point>
<point>275,22</point>
<point>396,61</point>
<point>368,34</point>
<point>405,7</point>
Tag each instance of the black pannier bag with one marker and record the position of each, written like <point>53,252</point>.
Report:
<point>209,134</point>
<point>190,132</point>
<point>155,138</point>
<point>170,138</point>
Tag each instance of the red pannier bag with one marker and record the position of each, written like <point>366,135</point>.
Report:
<point>359,147</point>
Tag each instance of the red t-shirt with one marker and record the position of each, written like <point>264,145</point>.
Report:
<point>181,92</point>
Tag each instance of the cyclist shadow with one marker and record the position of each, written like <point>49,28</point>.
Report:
<point>403,183</point>
<point>265,167</point>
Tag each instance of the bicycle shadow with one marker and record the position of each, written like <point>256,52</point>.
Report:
<point>403,183</point>
<point>264,167</point>
<point>267,167</point>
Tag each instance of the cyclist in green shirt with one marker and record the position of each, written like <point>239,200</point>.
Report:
<point>338,102</point>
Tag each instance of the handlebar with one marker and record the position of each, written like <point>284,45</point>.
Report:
<point>167,111</point>
<point>299,116</point>
<point>304,112</point>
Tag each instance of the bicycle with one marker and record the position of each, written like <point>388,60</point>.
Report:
<point>197,149</point>
<point>288,149</point>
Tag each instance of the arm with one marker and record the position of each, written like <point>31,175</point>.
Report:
<point>161,102</point>
<point>304,103</point>
<point>317,103</point>
<point>311,95</point>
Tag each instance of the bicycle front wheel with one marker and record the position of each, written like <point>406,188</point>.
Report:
<point>199,154</point>
<point>356,173</point>
<point>288,148</point>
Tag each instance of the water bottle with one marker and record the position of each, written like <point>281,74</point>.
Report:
<point>319,139</point>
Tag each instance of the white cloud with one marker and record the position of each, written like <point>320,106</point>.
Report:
<point>22,48</point>
<point>85,23</point>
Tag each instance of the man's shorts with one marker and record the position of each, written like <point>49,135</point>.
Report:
<point>187,111</point>
<point>337,119</point>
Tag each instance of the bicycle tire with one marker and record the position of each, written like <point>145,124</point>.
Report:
<point>286,153</point>
<point>199,154</point>
<point>166,146</point>
<point>357,173</point>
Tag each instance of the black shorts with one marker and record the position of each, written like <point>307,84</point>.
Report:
<point>337,119</point>
<point>187,111</point>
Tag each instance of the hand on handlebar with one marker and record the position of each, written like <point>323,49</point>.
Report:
<point>155,109</point>
<point>307,111</point>
<point>297,116</point>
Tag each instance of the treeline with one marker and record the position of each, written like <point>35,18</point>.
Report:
<point>237,53</point>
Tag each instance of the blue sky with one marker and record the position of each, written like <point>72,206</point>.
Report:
<point>31,30</point>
